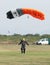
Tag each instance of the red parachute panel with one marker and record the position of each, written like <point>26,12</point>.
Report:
<point>34,13</point>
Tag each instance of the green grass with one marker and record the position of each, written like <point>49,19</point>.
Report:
<point>35,55</point>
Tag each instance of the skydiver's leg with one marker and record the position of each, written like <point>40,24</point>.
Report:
<point>21,50</point>
<point>24,50</point>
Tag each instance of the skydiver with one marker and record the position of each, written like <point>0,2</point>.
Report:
<point>23,45</point>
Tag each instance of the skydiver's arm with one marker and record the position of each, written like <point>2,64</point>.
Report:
<point>26,42</point>
<point>20,42</point>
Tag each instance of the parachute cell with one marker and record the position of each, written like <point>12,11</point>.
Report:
<point>20,12</point>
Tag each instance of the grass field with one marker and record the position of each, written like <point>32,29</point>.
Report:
<point>35,55</point>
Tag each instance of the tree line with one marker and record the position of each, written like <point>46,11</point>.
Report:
<point>14,39</point>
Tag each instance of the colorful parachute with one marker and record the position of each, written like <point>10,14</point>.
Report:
<point>19,12</point>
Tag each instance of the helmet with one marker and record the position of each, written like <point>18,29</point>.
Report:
<point>23,39</point>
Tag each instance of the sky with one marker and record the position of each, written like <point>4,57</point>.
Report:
<point>23,25</point>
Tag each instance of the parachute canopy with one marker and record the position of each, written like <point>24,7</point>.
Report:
<point>19,12</point>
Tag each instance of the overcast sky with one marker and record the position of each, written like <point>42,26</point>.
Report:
<point>24,25</point>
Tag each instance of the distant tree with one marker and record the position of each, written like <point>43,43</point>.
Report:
<point>37,35</point>
<point>45,36</point>
<point>29,35</point>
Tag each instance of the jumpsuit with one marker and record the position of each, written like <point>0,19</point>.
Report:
<point>23,46</point>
